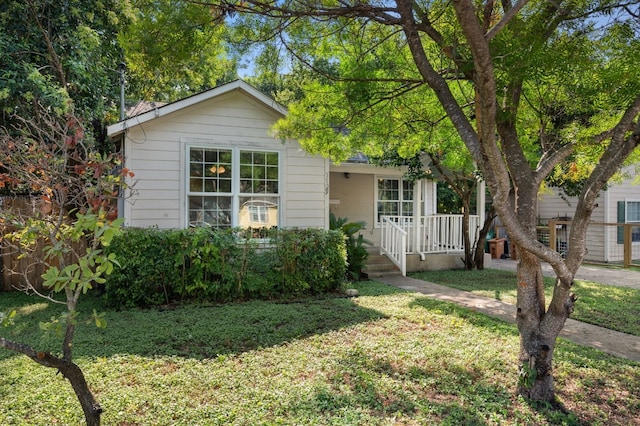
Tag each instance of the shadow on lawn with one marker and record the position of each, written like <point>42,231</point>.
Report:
<point>205,331</point>
<point>413,393</point>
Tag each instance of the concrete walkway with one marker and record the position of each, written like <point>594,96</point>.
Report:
<point>611,276</point>
<point>609,341</point>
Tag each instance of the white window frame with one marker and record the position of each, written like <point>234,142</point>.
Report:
<point>235,193</point>
<point>626,217</point>
<point>400,191</point>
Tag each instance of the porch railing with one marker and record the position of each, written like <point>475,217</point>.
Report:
<point>439,233</point>
<point>394,242</point>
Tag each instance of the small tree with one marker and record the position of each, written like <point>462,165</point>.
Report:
<point>72,216</point>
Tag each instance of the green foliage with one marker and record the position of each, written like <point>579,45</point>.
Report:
<point>357,253</point>
<point>173,49</point>
<point>164,266</point>
<point>90,267</point>
<point>6,318</point>
<point>52,52</point>
<point>527,375</point>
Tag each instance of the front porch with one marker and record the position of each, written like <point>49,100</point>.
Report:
<point>405,237</point>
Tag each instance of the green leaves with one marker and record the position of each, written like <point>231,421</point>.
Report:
<point>6,318</point>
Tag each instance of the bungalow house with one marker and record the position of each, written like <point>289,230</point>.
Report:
<point>210,159</point>
<point>616,205</point>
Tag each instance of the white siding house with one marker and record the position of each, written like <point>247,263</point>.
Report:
<point>211,158</point>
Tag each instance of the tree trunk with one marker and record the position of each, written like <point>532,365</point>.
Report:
<point>478,257</point>
<point>538,329</point>
<point>90,406</point>
<point>70,371</point>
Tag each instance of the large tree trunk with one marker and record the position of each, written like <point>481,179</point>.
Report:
<point>538,329</point>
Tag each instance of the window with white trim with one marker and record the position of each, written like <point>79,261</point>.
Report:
<point>394,197</point>
<point>633,216</point>
<point>231,187</point>
<point>629,212</point>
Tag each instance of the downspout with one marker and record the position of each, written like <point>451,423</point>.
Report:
<point>607,229</point>
<point>417,219</point>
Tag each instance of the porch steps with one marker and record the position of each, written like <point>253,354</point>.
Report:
<point>379,265</point>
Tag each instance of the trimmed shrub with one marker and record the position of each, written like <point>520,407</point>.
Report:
<point>164,266</point>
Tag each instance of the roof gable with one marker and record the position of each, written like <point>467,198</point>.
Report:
<point>164,110</point>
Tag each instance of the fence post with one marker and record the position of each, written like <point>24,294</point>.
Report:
<point>627,245</point>
<point>552,234</point>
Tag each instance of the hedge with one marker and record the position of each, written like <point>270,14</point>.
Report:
<point>165,266</point>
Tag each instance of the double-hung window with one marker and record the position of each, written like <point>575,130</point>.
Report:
<point>394,198</point>
<point>233,187</point>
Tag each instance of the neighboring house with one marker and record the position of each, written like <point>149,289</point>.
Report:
<point>619,203</point>
<point>210,159</point>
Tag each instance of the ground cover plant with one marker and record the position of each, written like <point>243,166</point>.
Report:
<point>387,357</point>
<point>616,308</point>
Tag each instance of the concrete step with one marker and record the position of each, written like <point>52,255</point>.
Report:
<point>379,265</point>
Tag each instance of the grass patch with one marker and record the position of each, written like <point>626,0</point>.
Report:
<point>615,308</point>
<point>388,357</point>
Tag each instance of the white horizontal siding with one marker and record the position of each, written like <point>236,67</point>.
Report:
<point>155,152</point>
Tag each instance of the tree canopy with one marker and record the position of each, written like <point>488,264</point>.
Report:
<point>528,86</point>
<point>173,49</point>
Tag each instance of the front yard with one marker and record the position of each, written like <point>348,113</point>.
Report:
<point>388,357</point>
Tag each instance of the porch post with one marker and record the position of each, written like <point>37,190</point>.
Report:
<point>481,201</point>
<point>417,202</point>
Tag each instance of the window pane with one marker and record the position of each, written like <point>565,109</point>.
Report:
<point>246,157</point>
<point>195,185</point>
<point>633,211</point>
<point>407,208</point>
<point>225,185</point>
<point>258,177</point>
<point>212,211</point>
<point>195,155</point>
<point>258,212</point>
<point>206,168</point>
<point>272,158</point>
<point>407,190</point>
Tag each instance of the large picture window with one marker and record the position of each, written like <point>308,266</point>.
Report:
<point>233,187</point>
<point>394,198</point>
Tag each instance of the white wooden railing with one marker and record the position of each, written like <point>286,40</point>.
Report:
<point>439,233</point>
<point>393,243</point>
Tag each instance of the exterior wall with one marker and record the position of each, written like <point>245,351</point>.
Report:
<point>552,206</point>
<point>602,242</point>
<point>156,151</point>
<point>628,190</point>
<point>354,197</point>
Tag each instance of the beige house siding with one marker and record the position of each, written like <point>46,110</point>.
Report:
<point>602,242</point>
<point>156,151</point>
<point>353,192</point>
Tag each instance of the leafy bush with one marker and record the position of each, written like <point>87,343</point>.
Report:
<point>164,266</point>
<point>356,252</point>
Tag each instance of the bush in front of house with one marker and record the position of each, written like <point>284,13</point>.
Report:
<point>165,266</point>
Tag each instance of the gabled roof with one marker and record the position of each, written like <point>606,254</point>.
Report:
<point>161,111</point>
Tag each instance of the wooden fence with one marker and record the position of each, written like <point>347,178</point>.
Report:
<point>616,244</point>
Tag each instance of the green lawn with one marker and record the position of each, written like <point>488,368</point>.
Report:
<point>388,357</point>
<point>612,307</point>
